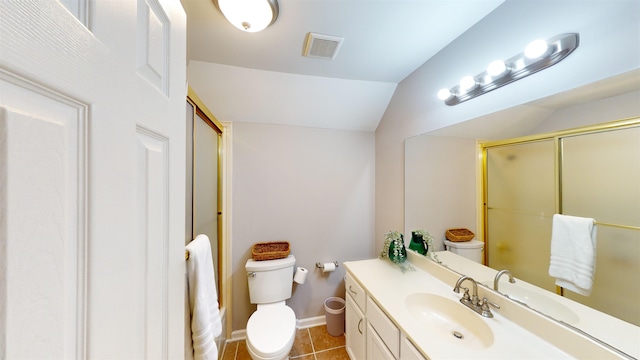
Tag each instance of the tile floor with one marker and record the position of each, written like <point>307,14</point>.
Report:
<point>310,344</point>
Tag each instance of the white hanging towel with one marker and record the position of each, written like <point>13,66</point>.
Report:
<point>203,299</point>
<point>573,253</point>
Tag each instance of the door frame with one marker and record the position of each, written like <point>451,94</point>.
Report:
<point>224,206</point>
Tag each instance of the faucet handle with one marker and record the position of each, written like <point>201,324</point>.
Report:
<point>485,304</point>
<point>486,311</point>
<point>466,296</point>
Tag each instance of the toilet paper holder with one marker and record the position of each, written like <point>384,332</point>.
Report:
<point>320,265</point>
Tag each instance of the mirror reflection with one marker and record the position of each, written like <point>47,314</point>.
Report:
<point>597,178</point>
<point>600,173</point>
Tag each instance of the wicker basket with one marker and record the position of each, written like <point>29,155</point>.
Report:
<point>270,250</point>
<point>459,235</point>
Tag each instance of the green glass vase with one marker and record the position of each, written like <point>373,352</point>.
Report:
<point>418,243</point>
<point>397,251</point>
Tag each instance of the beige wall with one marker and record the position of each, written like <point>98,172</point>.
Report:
<point>595,112</point>
<point>311,187</point>
<point>448,166</point>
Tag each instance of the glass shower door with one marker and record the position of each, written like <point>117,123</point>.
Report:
<point>601,180</point>
<point>520,205</point>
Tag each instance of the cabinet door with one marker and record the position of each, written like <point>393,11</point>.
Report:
<point>355,329</point>
<point>376,349</point>
<point>408,351</point>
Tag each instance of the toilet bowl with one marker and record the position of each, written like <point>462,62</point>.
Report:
<point>271,331</point>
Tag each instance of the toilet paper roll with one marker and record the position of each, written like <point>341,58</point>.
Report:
<point>328,267</point>
<point>301,275</point>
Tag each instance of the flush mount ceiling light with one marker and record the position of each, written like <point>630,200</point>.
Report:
<point>538,55</point>
<point>249,15</point>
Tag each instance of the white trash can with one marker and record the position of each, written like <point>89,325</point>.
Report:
<point>334,308</point>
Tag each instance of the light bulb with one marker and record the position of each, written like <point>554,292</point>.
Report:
<point>496,68</point>
<point>536,49</point>
<point>444,94</point>
<point>468,83</point>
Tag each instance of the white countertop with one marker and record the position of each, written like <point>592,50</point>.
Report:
<point>617,333</point>
<point>388,286</point>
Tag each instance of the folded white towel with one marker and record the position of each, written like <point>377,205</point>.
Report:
<point>203,299</point>
<point>573,253</point>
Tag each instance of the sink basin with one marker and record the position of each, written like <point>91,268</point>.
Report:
<point>535,300</point>
<point>448,320</point>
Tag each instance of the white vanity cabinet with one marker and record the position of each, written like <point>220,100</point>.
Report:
<point>355,321</point>
<point>369,332</point>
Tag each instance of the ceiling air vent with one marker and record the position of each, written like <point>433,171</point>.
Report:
<point>321,46</point>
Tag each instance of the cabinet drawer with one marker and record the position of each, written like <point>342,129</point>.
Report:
<point>356,292</point>
<point>387,330</point>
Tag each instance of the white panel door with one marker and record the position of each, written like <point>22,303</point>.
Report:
<point>92,179</point>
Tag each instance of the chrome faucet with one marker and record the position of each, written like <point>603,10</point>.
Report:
<point>473,302</point>
<point>497,278</point>
<point>467,299</point>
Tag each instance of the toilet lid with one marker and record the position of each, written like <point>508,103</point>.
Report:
<point>269,330</point>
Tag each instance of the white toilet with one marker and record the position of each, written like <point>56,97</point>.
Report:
<point>272,328</point>
<point>472,250</point>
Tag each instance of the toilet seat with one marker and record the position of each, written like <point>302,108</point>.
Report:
<point>271,331</point>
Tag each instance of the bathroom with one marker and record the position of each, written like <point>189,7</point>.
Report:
<point>355,179</point>
<point>340,191</point>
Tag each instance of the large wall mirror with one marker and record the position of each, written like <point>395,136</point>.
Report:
<point>593,173</point>
<point>518,170</point>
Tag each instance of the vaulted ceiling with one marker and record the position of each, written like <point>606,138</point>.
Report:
<point>263,77</point>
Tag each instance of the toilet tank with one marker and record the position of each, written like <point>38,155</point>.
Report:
<point>273,279</point>
<point>472,250</point>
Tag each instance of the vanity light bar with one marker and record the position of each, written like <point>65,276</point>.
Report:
<point>502,73</point>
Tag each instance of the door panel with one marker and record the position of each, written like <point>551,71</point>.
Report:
<point>92,180</point>
<point>41,221</point>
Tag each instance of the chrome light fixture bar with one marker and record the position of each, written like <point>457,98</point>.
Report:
<point>249,15</point>
<point>538,55</point>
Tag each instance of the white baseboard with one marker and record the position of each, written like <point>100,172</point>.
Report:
<point>237,335</point>
<point>311,322</point>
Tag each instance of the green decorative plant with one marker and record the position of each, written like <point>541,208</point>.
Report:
<point>428,238</point>
<point>394,249</point>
